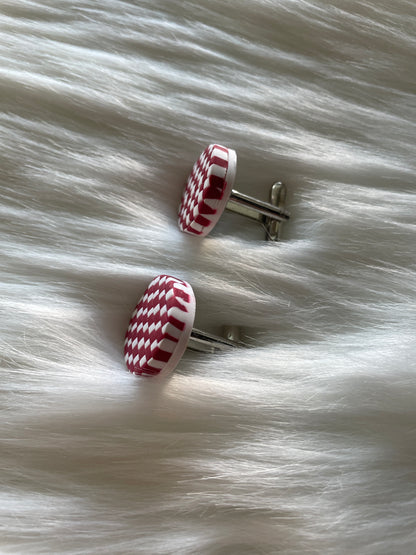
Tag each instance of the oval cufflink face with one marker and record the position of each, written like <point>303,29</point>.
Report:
<point>160,327</point>
<point>207,190</point>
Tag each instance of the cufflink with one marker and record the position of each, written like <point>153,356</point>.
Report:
<point>209,191</point>
<point>161,328</point>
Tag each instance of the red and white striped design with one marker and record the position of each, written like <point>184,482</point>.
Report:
<point>208,189</point>
<point>160,327</point>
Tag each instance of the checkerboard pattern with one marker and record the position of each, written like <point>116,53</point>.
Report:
<point>160,326</point>
<point>203,199</point>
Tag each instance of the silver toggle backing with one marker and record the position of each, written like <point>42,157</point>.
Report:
<point>204,342</point>
<point>270,214</point>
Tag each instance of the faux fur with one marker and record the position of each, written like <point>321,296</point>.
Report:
<point>303,443</point>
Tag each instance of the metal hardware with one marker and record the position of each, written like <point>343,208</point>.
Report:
<point>270,214</point>
<point>277,198</point>
<point>204,342</point>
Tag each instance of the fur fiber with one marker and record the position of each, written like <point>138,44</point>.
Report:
<point>304,443</point>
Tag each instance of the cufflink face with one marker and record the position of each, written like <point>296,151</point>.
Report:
<point>160,327</point>
<point>207,190</point>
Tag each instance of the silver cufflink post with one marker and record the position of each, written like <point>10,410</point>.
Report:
<point>204,342</point>
<point>269,214</point>
<point>209,191</point>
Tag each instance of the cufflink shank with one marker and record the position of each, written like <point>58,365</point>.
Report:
<point>161,328</point>
<point>209,190</point>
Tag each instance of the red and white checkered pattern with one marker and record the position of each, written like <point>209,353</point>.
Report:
<point>160,327</point>
<point>208,189</point>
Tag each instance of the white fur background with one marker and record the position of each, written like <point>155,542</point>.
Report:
<point>304,444</point>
